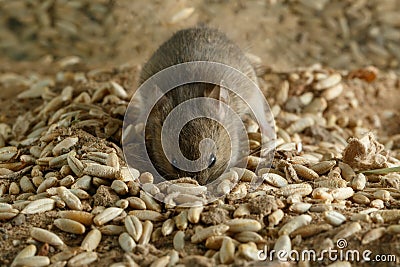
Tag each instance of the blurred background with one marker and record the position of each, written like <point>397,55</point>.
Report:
<point>284,34</point>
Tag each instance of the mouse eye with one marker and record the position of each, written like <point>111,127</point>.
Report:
<point>212,160</point>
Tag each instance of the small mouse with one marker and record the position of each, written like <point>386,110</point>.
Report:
<point>210,144</point>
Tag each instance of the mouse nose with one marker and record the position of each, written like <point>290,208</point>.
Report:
<point>201,177</point>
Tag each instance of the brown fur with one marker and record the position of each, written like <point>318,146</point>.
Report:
<point>194,44</point>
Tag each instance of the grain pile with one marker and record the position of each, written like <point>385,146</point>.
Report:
<point>68,199</point>
<point>31,29</point>
<point>338,33</point>
<point>367,31</point>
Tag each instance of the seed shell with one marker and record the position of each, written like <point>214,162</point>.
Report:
<point>249,251</point>
<point>227,251</point>
<point>101,171</point>
<point>146,234</point>
<point>28,251</point>
<point>91,240</point>
<point>38,206</point>
<point>240,225</point>
<point>334,218</point>
<point>72,201</point>
<point>46,236</point>
<point>82,259</point>
<point>83,217</point>
<point>294,224</point>
<point>70,226</point>
<point>305,172</point>
<point>194,214</point>
<point>33,261</point>
<point>202,234</point>
<point>303,189</point>
<point>126,242</point>
<point>168,227</point>
<point>283,243</point>
<point>150,215</point>
<point>133,227</point>
<point>179,241</point>
<point>373,235</point>
<point>275,179</point>
<point>348,231</point>
<point>107,215</point>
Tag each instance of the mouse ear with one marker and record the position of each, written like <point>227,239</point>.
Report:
<point>220,93</point>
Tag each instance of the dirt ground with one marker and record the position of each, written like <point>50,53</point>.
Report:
<point>281,36</point>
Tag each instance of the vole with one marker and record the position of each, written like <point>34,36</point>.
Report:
<point>209,159</point>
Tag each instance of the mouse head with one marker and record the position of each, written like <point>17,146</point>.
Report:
<point>206,150</point>
<point>188,145</point>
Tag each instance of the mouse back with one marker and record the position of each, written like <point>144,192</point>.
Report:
<point>197,44</point>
